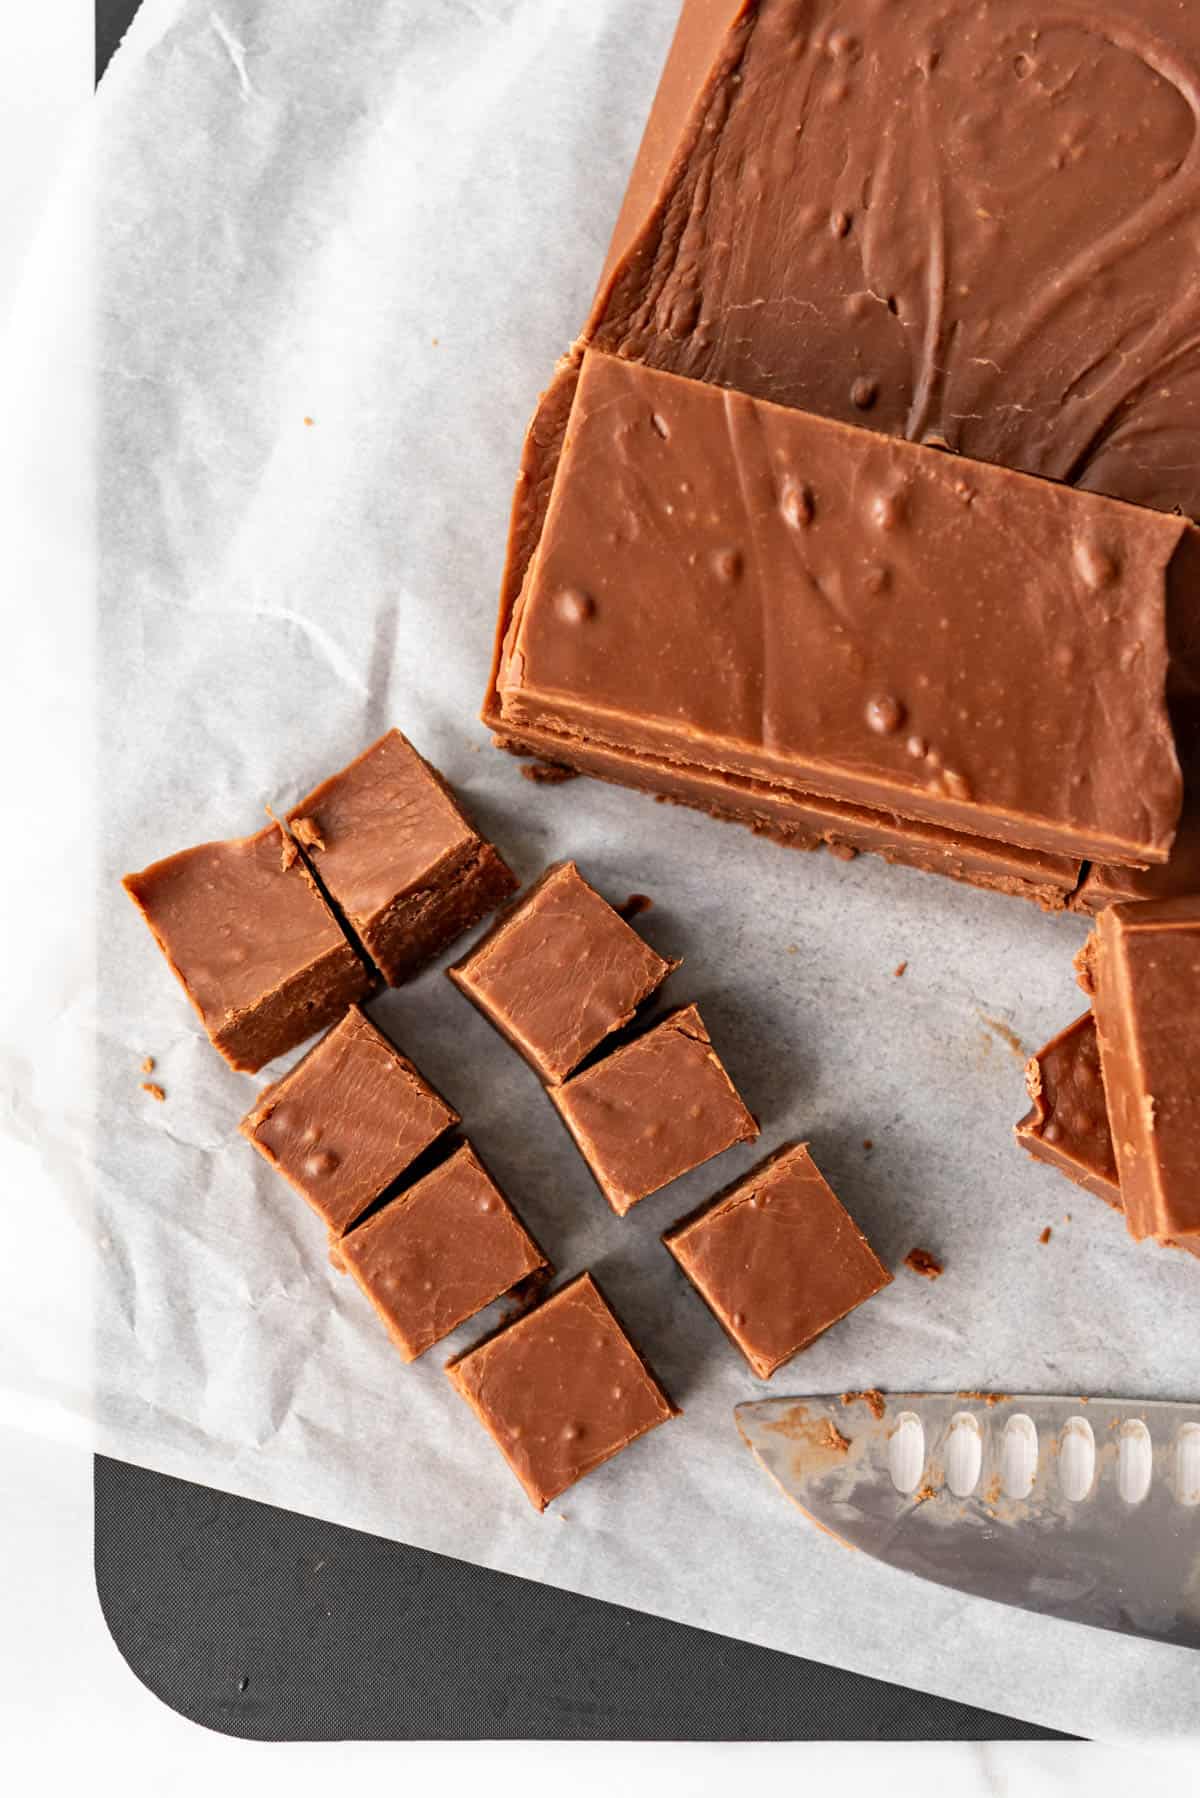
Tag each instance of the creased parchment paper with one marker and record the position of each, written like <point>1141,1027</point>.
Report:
<point>336,252</point>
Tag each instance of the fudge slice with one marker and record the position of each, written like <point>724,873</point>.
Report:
<point>441,1251</point>
<point>560,972</point>
<point>653,1110</point>
<point>254,945</point>
<point>1141,966</point>
<point>398,857</point>
<point>1067,1123</point>
<point>562,1390</point>
<point>347,1121</point>
<point>777,1259</point>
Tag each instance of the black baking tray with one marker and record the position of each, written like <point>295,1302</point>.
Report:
<point>261,1623</point>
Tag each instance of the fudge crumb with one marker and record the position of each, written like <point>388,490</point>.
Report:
<point>900,971</point>
<point>309,421</point>
<point>288,852</point>
<point>842,852</point>
<point>986,1398</point>
<point>1066,1217</point>
<point>634,906</point>
<point>547,774</point>
<point>434,342</point>
<point>1008,1037</point>
<point>832,1438</point>
<point>1045,1236</point>
<point>925,1494</point>
<point>148,1065</point>
<point>793,949</point>
<point>155,1091</point>
<point>306,831</point>
<point>872,1398</point>
<point>920,1261</point>
<point>868,1144</point>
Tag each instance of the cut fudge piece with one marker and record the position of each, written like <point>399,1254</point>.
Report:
<point>1141,966</point>
<point>560,972</point>
<point>777,1259</point>
<point>439,1252</point>
<point>252,942</point>
<point>653,1110</point>
<point>347,1121</point>
<point>1067,1124</point>
<point>882,623</point>
<point>1178,877</point>
<point>562,1390</point>
<point>398,857</point>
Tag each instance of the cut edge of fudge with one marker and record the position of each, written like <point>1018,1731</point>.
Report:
<point>464,972</point>
<point>251,1036</point>
<point>538,1496</point>
<point>534,1273</point>
<point>273,1095</point>
<point>740,1191</point>
<point>1030,1130</point>
<point>685,1020</point>
<point>433,910</point>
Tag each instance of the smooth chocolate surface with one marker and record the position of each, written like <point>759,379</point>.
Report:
<point>439,1252</point>
<point>961,224</point>
<point>252,942</point>
<point>1142,969</point>
<point>777,1259</point>
<point>560,972</point>
<point>1067,1123</point>
<point>347,1121</point>
<point>653,1109</point>
<point>562,1390</point>
<point>741,587</point>
<point>398,856</point>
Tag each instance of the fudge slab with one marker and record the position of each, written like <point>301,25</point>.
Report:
<point>249,937</point>
<point>777,1259</point>
<point>734,586</point>
<point>1179,876</point>
<point>562,1390</point>
<point>347,1121</point>
<point>440,1252</point>
<point>398,857</point>
<point>1141,966</point>
<point>653,1110</point>
<point>1067,1123</point>
<point>560,972</point>
<point>960,224</point>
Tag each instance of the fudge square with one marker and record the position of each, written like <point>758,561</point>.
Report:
<point>398,857</point>
<point>777,1259</point>
<point>560,972</point>
<point>653,1110</point>
<point>252,942</point>
<point>347,1121</point>
<point>562,1390</point>
<point>1141,967</point>
<point>439,1252</point>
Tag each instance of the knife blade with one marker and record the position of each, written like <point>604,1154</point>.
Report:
<point>1084,1509</point>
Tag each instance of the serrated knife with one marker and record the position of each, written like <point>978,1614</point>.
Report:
<point>1086,1509</point>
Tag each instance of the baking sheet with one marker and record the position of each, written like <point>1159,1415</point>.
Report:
<point>335,254</point>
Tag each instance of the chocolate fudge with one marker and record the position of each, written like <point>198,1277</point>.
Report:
<point>1067,1126</point>
<point>254,945</point>
<point>347,1121</point>
<point>398,857</point>
<point>1067,1123</point>
<point>880,623</point>
<point>653,1110</point>
<point>826,213</point>
<point>560,972</point>
<point>777,1259</point>
<point>440,1251</point>
<point>562,1390</point>
<point>1180,875</point>
<point>1141,967</point>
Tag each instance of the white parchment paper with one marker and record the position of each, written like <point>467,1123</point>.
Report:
<point>386,217</point>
